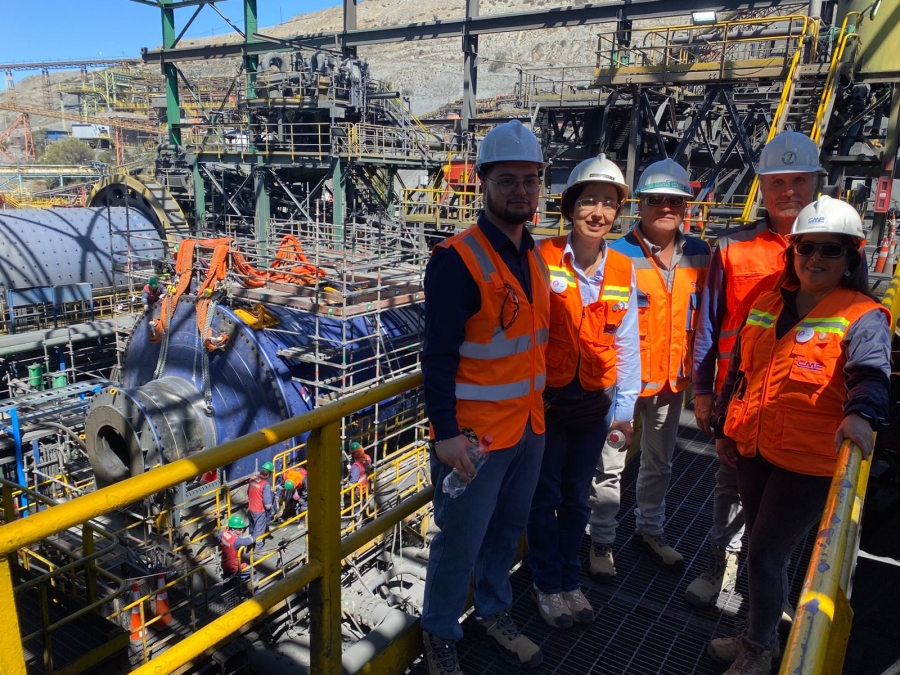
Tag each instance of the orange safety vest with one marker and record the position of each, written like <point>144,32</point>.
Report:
<point>666,320</point>
<point>752,261</point>
<point>789,404</point>
<point>501,373</point>
<point>581,338</point>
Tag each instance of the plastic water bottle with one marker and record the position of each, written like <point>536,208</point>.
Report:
<point>615,440</point>
<point>454,485</point>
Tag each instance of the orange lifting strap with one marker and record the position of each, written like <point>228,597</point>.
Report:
<point>290,266</point>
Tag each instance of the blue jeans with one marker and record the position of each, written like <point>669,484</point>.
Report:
<point>479,532</point>
<point>560,509</point>
<point>259,522</point>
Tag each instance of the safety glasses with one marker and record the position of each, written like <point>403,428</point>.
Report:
<point>591,204</point>
<point>508,185</point>
<point>658,200</point>
<point>509,315</point>
<point>805,249</point>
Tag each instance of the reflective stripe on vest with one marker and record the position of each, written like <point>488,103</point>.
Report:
<point>583,336</point>
<point>752,261</point>
<point>666,319</point>
<point>794,388</point>
<point>501,372</point>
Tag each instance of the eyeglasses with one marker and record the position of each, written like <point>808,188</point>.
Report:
<point>658,200</point>
<point>513,299</point>
<point>591,203</point>
<point>805,249</point>
<point>508,185</point>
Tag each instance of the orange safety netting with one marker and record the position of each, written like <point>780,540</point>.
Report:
<point>290,266</point>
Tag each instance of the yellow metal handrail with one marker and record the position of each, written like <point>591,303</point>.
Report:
<point>326,549</point>
<point>818,639</point>
<point>831,81</point>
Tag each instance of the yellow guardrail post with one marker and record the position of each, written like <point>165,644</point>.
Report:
<point>87,546</point>
<point>324,522</point>
<point>12,656</point>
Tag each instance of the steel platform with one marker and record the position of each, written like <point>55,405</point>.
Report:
<point>642,624</point>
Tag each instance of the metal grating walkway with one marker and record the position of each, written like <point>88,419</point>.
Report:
<point>642,624</point>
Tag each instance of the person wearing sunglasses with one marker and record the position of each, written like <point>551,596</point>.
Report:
<point>670,269</point>
<point>810,370</point>
<point>593,345</point>
<point>746,262</point>
<point>487,316</point>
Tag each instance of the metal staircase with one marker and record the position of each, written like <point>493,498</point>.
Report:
<point>806,98</point>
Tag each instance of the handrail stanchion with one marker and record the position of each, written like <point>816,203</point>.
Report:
<point>324,522</point>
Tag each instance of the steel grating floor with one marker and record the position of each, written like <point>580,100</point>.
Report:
<point>642,624</point>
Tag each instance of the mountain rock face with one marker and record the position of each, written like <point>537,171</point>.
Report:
<point>428,72</point>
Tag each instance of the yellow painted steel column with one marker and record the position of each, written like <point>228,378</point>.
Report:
<point>12,657</point>
<point>323,461</point>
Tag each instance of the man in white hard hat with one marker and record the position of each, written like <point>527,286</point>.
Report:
<point>670,270</point>
<point>746,263</point>
<point>487,315</point>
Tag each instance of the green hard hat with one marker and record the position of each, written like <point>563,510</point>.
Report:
<point>289,485</point>
<point>268,466</point>
<point>354,446</point>
<point>153,283</point>
<point>237,522</point>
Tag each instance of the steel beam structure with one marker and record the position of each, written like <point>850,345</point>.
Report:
<point>454,28</point>
<point>470,68</point>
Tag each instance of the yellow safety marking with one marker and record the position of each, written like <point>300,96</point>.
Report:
<point>826,604</point>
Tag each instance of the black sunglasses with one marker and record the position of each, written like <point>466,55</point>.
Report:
<point>805,249</point>
<point>658,200</point>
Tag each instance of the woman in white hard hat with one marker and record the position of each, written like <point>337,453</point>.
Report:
<point>810,371</point>
<point>593,345</point>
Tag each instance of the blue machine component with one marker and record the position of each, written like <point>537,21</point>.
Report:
<point>52,247</point>
<point>251,383</point>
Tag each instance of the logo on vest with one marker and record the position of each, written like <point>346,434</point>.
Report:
<point>805,335</point>
<point>558,285</point>
<point>620,306</point>
<point>811,366</point>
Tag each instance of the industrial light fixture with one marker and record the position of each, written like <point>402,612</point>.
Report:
<point>704,17</point>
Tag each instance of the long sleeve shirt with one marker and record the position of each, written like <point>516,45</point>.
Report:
<point>713,308</point>
<point>867,369</point>
<point>627,341</point>
<point>452,297</point>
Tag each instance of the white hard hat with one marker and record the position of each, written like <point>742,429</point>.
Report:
<point>789,152</point>
<point>509,142</point>
<point>830,215</point>
<point>598,170</point>
<point>666,177</point>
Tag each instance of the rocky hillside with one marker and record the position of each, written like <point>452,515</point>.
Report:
<point>429,72</point>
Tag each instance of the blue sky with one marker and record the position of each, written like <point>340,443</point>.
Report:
<point>36,30</point>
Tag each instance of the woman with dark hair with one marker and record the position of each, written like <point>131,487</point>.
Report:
<point>593,379</point>
<point>810,370</point>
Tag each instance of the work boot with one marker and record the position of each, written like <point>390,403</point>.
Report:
<point>440,655</point>
<point>553,609</point>
<point>787,618</point>
<point>582,612</point>
<point>719,576</point>
<point>603,567</point>
<point>726,650</point>
<point>754,659</point>
<point>658,548</point>
<point>515,646</point>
